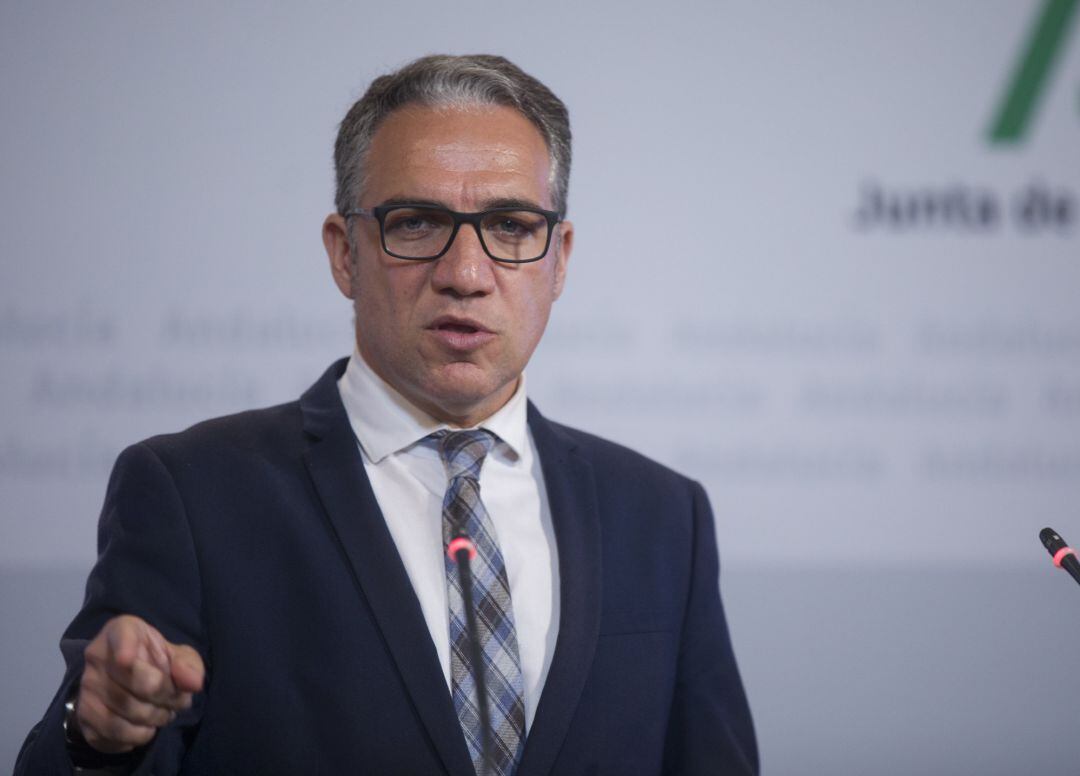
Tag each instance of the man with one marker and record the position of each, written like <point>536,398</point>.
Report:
<point>273,593</point>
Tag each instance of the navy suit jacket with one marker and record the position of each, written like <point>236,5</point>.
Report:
<point>257,539</point>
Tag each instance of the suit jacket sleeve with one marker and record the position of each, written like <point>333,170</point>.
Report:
<point>710,730</point>
<point>147,567</point>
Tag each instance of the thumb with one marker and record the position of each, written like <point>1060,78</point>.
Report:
<point>187,669</point>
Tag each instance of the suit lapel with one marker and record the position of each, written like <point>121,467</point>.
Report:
<point>337,469</point>
<point>571,491</point>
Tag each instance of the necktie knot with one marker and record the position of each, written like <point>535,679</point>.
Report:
<point>463,452</point>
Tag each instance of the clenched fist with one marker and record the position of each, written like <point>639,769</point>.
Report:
<point>134,682</point>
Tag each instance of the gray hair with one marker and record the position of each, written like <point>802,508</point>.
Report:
<point>451,81</point>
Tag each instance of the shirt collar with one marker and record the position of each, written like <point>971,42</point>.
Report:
<point>385,422</point>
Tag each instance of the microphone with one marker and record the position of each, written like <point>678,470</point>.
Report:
<point>462,550</point>
<point>1064,556</point>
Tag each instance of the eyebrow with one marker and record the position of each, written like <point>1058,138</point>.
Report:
<point>489,204</point>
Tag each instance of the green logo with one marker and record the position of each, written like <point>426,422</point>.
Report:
<point>1032,71</point>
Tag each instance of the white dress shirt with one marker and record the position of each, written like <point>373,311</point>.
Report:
<point>409,481</point>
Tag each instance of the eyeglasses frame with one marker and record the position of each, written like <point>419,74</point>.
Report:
<point>380,212</point>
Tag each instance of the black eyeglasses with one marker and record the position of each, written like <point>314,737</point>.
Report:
<point>514,235</point>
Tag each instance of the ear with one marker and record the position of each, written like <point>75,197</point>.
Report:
<point>564,243</point>
<point>335,236</point>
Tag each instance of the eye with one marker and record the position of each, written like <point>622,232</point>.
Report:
<point>414,222</point>
<point>510,227</point>
<point>407,222</point>
<point>514,225</point>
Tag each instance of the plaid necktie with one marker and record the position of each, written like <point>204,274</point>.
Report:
<point>463,454</point>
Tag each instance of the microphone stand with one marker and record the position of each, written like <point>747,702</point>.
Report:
<point>461,549</point>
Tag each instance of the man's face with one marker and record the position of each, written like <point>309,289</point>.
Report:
<point>454,334</point>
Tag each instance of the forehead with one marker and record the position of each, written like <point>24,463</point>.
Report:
<point>459,156</point>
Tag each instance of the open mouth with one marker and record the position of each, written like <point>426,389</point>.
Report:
<point>460,328</point>
<point>460,334</point>
<point>454,325</point>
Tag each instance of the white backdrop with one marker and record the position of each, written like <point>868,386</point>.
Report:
<point>857,387</point>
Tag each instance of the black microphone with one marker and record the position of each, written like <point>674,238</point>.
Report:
<point>1064,556</point>
<point>462,550</point>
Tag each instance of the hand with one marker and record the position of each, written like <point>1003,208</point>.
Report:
<point>133,683</point>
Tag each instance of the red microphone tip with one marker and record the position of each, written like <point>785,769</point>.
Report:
<point>459,543</point>
<point>1061,554</point>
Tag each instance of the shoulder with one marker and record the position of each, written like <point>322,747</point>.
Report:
<point>606,453</point>
<point>624,475</point>
<point>259,435</point>
<point>224,442</point>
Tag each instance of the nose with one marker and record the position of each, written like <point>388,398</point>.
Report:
<point>465,269</point>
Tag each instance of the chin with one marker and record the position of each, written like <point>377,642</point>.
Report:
<point>460,392</point>
<point>460,398</point>
<point>464,378</point>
